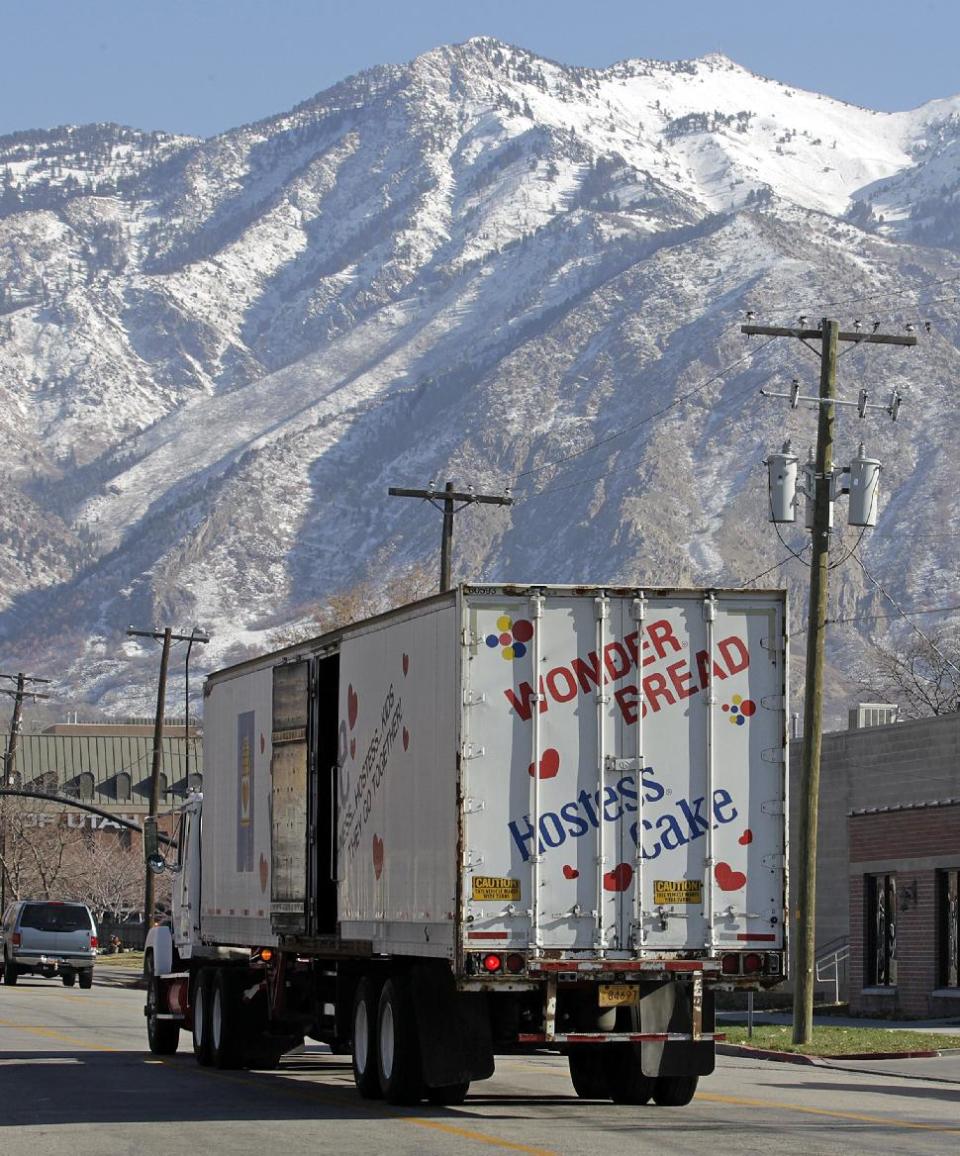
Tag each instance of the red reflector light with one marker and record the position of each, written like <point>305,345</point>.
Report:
<point>492,963</point>
<point>266,954</point>
<point>730,965</point>
<point>752,963</point>
<point>514,963</point>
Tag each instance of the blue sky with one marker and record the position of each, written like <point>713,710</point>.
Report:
<point>202,66</point>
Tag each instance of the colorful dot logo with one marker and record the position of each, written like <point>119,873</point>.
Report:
<point>513,637</point>
<point>739,709</point>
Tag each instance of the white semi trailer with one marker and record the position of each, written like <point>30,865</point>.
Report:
<point>502,819</point>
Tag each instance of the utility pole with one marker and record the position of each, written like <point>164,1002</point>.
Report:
<point>10,761</point>
<point>167,637</point>
<point>445,500</point>
<point>805,895</point>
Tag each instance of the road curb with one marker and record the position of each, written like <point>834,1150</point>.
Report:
<point>825,1060</point>
<point>767,1054</point>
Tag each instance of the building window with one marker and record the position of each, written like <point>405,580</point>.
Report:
<point>948,927</point>
<point>881,954</point>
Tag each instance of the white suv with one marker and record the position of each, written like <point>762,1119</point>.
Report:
<point>48,938</point>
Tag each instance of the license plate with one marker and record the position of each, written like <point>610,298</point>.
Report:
<point>618,995</point>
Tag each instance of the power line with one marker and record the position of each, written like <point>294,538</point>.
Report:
<point>903,614</point>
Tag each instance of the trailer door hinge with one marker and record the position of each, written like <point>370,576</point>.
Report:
<point>472,806</point>
<point>471,698</point>
<point>472,752</point>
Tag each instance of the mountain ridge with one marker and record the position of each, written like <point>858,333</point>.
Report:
<point>215,355</point>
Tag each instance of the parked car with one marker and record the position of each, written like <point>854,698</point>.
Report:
<point>48,938</point>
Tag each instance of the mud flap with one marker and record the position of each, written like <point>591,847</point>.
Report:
<point>667,1008</point>
<point>456,1045</point>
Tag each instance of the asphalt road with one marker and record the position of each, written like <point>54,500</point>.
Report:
<point>76,1078</point>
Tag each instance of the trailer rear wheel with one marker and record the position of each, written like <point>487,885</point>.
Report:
<point>202,991</point>
<point>625,1078</point>
<point>398,1053</point>
<point>588,1071</point>
<point>674,1091</point>
<point>366,1075</point>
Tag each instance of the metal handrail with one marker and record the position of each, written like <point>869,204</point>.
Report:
<point>827,965</point>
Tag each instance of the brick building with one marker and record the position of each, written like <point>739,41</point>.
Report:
<point>889,844</point>
<point>904,921</point>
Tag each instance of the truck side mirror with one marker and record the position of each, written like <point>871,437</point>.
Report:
<point>153,857</point>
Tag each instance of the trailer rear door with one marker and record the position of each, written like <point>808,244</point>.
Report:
<point>623,771</point>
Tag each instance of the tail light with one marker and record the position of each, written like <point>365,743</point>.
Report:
<point>93,941</point>
<point>752,963</point>
<point>730,964</point>
<point>16,939</point>
<point>266,954</point>
<point>514,963</point>
<point>492,963</point>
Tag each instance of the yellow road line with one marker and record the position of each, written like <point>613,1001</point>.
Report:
<point>832,1113</point>
<point>50,1034</point>
<point>335,1099</point>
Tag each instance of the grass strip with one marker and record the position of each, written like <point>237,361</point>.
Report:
<point>829,1041</point>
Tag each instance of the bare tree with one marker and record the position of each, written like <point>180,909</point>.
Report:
<point>110,875</point>
<point>922,677</point>
<point>38,851</point>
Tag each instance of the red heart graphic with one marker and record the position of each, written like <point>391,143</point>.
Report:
<point>353,748</point>
<point>353,706</point>
<point>619,879</point>
<point>728,879</point>
<point>406,663</point>
<point>570,872</point>
<point>377,856</point>
<point>549,764</point>
<point>746,837</point>
<point>406,738</point>
<point>264,871</point>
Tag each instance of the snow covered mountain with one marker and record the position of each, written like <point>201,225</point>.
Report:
<point>215,356</point>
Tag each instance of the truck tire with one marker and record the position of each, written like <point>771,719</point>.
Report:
<point>163,1036</point>
<point>398,1051</point>
<point>588,1071</point>
<point>674,1091</point>
<point>10,972</point>
<point>69,978</point>
<point>449,1095</point>
<point>202,993</point>
<point>366,1005</point>
<point>86,977</point>
<point>625,1078</point>
<point>226,1043</point>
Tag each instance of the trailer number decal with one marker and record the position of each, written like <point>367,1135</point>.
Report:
<point>495,887</point>
<point>677,891</point>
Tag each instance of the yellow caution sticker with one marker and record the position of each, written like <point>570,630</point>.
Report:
<point>495,887</point>
<point>666,891</point>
